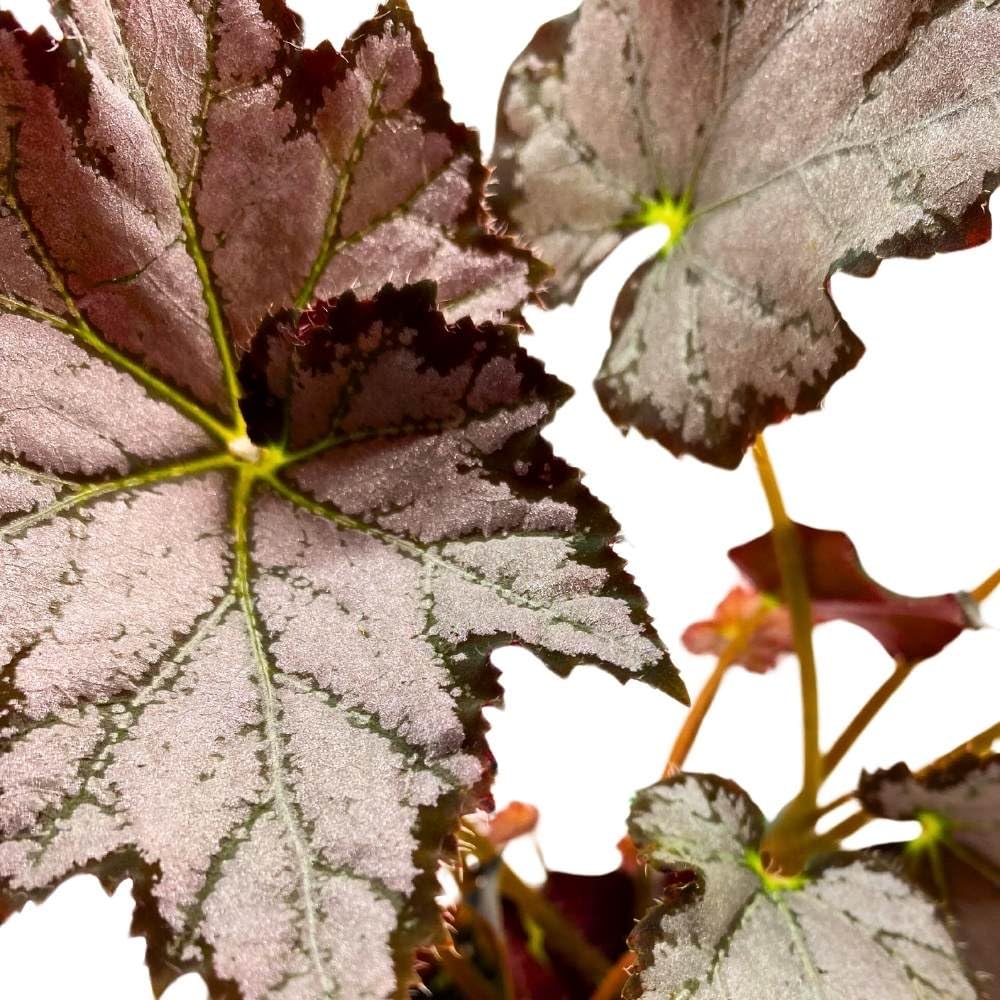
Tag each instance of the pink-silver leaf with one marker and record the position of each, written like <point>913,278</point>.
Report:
<point>850,929</point>
<point>956,856</point>
<point>259,532</point>
<point>800,138</point>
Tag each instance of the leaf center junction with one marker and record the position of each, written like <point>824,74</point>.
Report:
<point>259,461</point>
<point>665,210</point>
<point>774,883</point>
<point>934,829</point>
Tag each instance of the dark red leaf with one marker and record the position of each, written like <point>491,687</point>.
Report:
<point>601,907</point>
<point>913,628</point>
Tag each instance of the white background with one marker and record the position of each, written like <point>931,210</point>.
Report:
<point>903,457</point>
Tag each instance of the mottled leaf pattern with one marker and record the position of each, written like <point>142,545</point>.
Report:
<point>157,157</point>
<point>800,136</point>
<point>265,677</point>
<point>956,857</point>
<point>849,931</point>
<point>249,581</point>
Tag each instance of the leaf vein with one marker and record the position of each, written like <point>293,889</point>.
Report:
<point>414,549</point>
<point>95,764</point>
<point>345,181</point>
<point>216,322</point>
<point>877,143</point>
<point>304,860</point>
<point>79,328</point>
<point>85,494</point>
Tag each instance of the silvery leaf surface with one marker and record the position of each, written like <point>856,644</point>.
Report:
<point>956,857</point>
<point>803,137</point>
<point>851,930</point>
<point>259,532</point>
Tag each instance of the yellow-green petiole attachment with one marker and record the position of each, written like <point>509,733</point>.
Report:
<point>664,210</point>
<point>926,848</point>
<point>934,829</point>
<point>773,882</point>
<point>260,460</point>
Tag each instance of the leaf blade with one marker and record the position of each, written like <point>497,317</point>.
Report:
<point>956,857</point>
<point>270,718</point>
<point>890,147</point>
<point>908,628</point>
<point>845,930</point>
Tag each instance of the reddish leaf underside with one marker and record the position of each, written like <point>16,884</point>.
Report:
<point>759,624</point>
<point>913,628</point>
<point>797,139</point>
<point>247,669</point>
<point>956,858</point>
<point>600,907</point>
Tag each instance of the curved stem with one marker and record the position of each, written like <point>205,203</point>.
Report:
<point>487,946</point>
<point>561,935</point>
<point>796,596</point>
<point>980,593</point>
<point>696,716</point>
<point>834,804</point>
<point>845,828</point>
<point>867,712</point>
<point>613,983</point>
<point>980,743</point>
<point>984,741</point>
<point>891,685</point>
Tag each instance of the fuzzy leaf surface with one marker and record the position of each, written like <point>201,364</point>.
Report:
<point>247,671</point>
<point>798,138</point>
<point>851,930</point>
<point>956,859</point>
<point>911,628</point>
